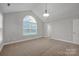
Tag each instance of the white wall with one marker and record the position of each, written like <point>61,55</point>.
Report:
<point>47,30</point>
<point>64,30</point>
<point>13,27</point>
<point>61,30</point>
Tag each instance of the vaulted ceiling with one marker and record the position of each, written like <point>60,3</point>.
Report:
<point>57,11</point>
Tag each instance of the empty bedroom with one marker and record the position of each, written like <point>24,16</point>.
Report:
<point>39,29</point>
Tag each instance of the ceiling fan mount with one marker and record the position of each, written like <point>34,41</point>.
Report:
<point>8,4</point>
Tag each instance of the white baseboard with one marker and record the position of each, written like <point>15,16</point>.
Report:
<point>66,41</point>
<point>20,40</point>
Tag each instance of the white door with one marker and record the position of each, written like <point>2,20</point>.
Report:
<point>76,31</point>
<point>1,28</point>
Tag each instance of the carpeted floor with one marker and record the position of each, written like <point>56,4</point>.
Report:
<point>41,47</point>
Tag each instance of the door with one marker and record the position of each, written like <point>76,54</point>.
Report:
<point>1,28</point>
<point>76,31</point>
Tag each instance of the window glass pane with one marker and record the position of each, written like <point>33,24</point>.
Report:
<point>33,30</point>
<point>34,27</point>
<point>26,25</point>
<point>29,26</point>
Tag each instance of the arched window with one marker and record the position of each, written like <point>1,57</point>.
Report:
<point>29,26</point>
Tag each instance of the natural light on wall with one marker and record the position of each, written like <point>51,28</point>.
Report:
<point>29,25</point>
<point>48,29</point>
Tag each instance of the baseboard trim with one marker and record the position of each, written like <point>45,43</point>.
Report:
<point>66,41</point>
<point>20,41</point>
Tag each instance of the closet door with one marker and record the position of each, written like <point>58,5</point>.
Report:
<point>1,31</point>
<point>76,31</point>
<point>1,28</point>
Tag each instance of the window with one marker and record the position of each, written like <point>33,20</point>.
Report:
<point>29,26</point>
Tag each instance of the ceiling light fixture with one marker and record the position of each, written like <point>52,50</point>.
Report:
<point>46,14</point>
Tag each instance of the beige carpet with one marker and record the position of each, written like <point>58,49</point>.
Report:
<point>40,47</point>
